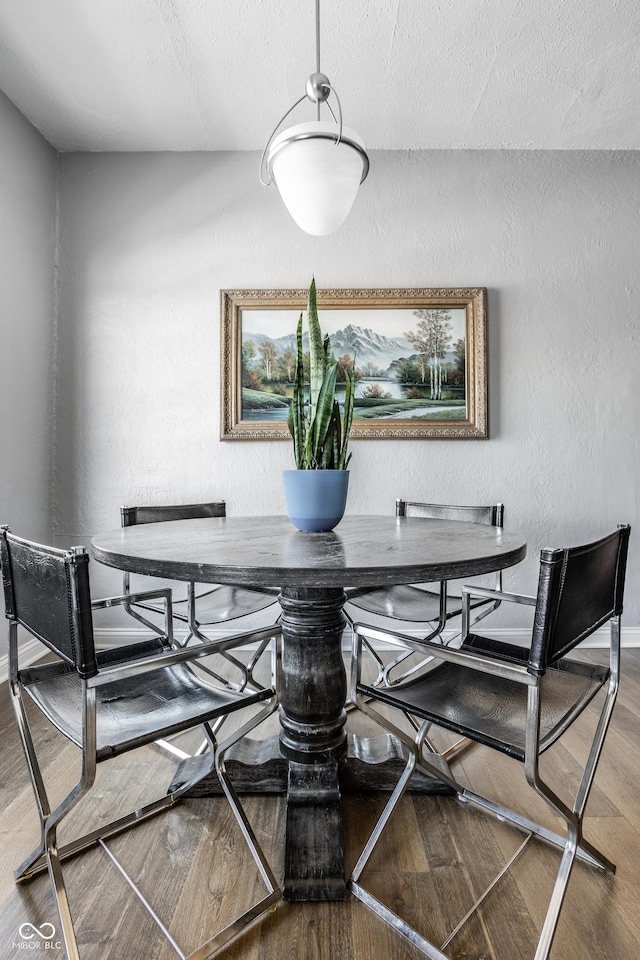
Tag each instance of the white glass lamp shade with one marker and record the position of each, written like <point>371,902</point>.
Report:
<point>318,179</point>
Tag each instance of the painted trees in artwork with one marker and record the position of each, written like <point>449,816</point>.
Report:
<point>287,366</point>
<point>269,355</point>
<point>431,340</point>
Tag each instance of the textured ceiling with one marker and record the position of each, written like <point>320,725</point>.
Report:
<point>411,74</point>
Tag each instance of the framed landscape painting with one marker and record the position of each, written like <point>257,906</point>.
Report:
<point>419,357</point>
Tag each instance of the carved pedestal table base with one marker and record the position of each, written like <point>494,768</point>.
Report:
<point>313,759</point>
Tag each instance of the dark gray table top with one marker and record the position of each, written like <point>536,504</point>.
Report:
<point>268,551</point>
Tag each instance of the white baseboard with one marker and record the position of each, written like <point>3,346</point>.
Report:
<point>32,650</point>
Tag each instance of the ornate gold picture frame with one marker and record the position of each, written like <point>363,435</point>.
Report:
<point>420,358</point>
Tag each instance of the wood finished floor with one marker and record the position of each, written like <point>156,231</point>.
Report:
<point>192,864</point>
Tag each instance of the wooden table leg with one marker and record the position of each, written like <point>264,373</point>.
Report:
<point>313,739</point>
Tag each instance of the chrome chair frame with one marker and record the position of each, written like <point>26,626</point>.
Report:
<point>414,596</point>
<point>244,600</point>
<point>449,606</point>
<point>527,669</point>
<point>90,674</point>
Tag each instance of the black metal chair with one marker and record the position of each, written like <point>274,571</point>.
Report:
<point>427,607</point>
<point>199,606</point>
<point>514,700</point>
<point>110,702</point>
<point>427,603</point>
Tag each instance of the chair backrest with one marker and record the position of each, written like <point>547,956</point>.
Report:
<point>130,516</point>
<point>47,592</point>
<point>491,515</point>
<point>579,589</point>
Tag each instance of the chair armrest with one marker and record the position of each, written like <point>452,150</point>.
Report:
<point>467,657</point>
<point>130,600</point>
<point>471,590</point>
<point>168,658</point>
<point>163,593</point>
<point>475,591</point>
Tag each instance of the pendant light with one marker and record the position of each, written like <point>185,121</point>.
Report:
<point>319,165</point>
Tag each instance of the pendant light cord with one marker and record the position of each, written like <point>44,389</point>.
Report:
<point>318,47</point>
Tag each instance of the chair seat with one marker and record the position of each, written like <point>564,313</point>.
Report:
<point>493,710</point>
<point>218,603</point>
<point>133,711</point>
<point>226,602</point>
<point>407,602</point>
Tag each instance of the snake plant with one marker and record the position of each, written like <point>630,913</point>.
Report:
<point>320,434</point>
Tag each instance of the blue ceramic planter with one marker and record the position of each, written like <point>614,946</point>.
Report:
<point>315,499</point>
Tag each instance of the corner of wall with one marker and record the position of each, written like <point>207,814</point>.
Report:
<point>55,354</point>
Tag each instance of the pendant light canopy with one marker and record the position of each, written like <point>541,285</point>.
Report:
<point>317,166</point>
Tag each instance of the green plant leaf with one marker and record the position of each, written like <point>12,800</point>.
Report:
<point>321,435</point>
<point>349,395</point>
<point>317,355</point>
<point>324,410</point>
<point>295,414</point>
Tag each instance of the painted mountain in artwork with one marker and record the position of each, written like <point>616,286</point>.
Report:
<point>361,342</point>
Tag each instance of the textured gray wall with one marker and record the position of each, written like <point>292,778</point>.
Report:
<point>27,332</point>
<point>148,240</point>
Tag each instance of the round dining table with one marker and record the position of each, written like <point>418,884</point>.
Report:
<point>312,571</point>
